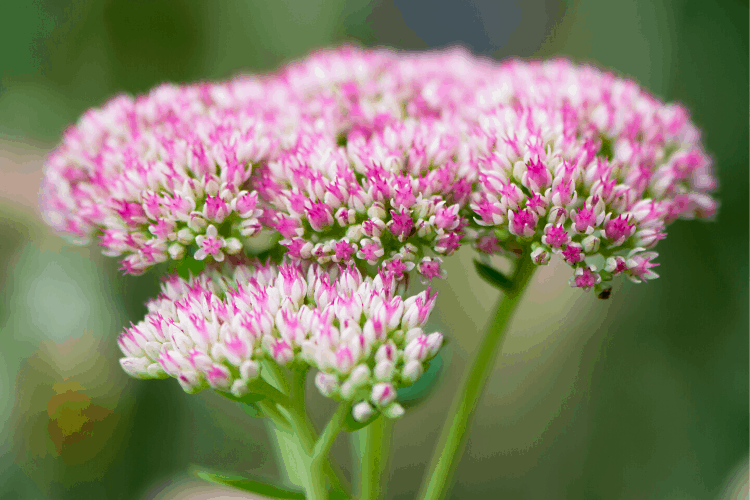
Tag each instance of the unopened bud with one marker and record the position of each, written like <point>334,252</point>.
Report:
<point>326,383</point>
<point>590,244</point>
<point>394,411</point>
<point>185,236</point>
<point>412,371</point>
<point>362,411</point>
<point>176,251</point>
<point>232,246</point>
<point>383,394</point>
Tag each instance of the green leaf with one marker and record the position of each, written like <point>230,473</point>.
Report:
<point>493,276</point>
<point>259,486</point>
<point>415,394</point>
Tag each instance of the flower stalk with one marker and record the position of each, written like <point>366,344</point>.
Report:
<point>451,444</point>
<point>374,454</point>
<point>315,448</point>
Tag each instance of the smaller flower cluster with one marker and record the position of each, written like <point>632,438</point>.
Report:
<point>216,330</point>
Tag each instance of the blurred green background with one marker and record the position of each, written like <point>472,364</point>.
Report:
<point>643,396</point>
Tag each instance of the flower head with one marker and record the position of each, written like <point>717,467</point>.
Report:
<point>216,329</point>
<point>382,159</point>
<point>587,166</point>
<point>153,173</point>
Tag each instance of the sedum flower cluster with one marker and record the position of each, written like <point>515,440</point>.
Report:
<point>367,163</point>
<point>349,156</point>
<point>217,330</point>
<point>583,165</point>
<point>379,158</point>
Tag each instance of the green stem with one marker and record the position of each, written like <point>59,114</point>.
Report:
<point>277,376</point>
<point>270,410</point>
<point>316,484</point>
<point>298,416</point>
<point>305,432</point>
<point>453,437</point>
<point>375,452</point>
<point>328,436</point>
<point>260,386</point>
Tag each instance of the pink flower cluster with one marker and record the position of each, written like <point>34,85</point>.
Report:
<point>171,174</point>
<point>587,166</point>
<point>386,159</point>
<point>218,329</point>
<point>151,176</point>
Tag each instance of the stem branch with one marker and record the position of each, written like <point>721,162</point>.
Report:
<point>453,437</point>
<point>375,452</point>
<point>306,434</point>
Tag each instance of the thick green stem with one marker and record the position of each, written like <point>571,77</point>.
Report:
<point>305,432</point>
<point>294,432</point>
<point>375,452</point>
<point>316,484</point>
<point>453,437</point>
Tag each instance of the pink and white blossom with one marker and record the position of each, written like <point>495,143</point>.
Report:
<point>352,154</point>
<point>217,328</point>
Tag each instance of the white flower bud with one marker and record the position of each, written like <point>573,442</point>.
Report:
<point>185,236</point>
<point>434,343</point>
<point>354,233</point>
<point>326,383</point>
<point>362,411</point>
<point>413,333</point>
<point>386,352</point>
<point>384,371</point>
<point>347,390</point>
<point>239,388</point>
<point>233,246</point>
<point>376,211</point>
<point>590,244</point>
<point>155,370</point>
<point>136,367</point>
<point>383,394</point>
<point>412,371</point>
<point>212,187</point>
<point>249,370</point>
<point>394,411</point>
<point>359,376</point>
<point>176,251</point>
<point>190,381</point>
<point>196,222</point>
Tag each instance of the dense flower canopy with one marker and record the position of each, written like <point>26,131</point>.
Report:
<point>380,158</point>
<point>218,328</point>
